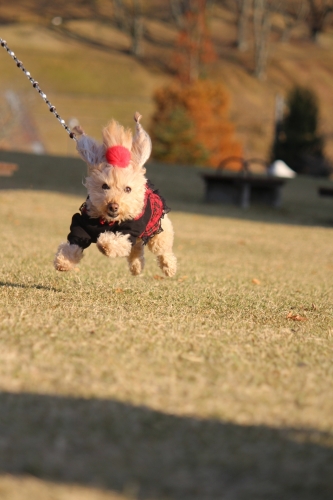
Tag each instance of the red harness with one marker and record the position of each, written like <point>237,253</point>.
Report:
<point>157,211</point>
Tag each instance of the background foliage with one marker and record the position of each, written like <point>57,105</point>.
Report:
<point>209,135</point>
<point>87,67</point>
<point>299,142</point>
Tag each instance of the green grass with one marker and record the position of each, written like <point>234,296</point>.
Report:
<point>186,388</point>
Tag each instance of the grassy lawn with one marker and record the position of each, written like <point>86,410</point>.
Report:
<point>196,387</point>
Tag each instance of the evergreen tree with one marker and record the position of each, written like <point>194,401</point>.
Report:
<point>174,139</point>
<point>298,142</point>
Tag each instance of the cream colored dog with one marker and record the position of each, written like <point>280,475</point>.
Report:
<point>122,212</point>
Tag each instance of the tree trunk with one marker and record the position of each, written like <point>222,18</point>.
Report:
<point>119,14</point>
<point>262,28</point>
<point>128,18</point>
<point>319,11</point>
<point>176,12</point>
<point>292,16</point>
<point>242,25</point>
<point>137,29</point>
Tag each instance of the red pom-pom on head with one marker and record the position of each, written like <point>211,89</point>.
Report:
<point>118,156</point>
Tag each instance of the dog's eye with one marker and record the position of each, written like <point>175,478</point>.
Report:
<point>105,186</point>
<point>127,189</point>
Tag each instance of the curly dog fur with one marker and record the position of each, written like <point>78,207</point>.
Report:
<point>122,211</point>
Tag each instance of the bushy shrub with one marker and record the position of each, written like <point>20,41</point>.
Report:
<point>191,125</point>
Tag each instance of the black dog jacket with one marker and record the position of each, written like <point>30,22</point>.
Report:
<point>85,230</point>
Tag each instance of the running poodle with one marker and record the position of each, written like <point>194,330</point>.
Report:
<point>122,212</point>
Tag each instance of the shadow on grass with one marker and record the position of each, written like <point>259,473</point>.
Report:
<point>21,285</point>
<point>119,447</point>
<point>182,187</point>
<point>84,40</point>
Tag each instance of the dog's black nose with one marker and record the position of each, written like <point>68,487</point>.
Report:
<point>113,207</point>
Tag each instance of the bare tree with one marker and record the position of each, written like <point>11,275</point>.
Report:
<point>119,14</point>
<point>293,12</point>
<point>178,10</point>
<point>136,28</point>
<point>128,18</point>
<point>194,47</point>
<point>262,28</point>
<point>319,11</point>
<point>244,11</point>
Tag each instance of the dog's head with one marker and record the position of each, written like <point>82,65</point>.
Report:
<point>116,181</point>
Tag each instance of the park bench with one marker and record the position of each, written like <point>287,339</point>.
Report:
<point>242,187</point>
<point>7,169</point>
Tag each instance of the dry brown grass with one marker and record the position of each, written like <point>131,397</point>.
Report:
<point>202,386</point>
<point>94,85</point>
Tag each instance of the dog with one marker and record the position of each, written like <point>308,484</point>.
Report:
<point>123,212</point>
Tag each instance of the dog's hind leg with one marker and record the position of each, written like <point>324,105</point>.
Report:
<point>161,246</point>
<point>136,259</point>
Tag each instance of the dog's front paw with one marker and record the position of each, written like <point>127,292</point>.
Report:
<point>114,244</point>
<point>168,263</point>
<point>67,257</point>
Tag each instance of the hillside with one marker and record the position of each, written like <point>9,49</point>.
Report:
<point>85,68</point>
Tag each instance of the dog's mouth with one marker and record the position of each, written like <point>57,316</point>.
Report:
<point>113,210</point>
<point>112,215</point>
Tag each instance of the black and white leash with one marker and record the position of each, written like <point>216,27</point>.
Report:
<point>35,85</point>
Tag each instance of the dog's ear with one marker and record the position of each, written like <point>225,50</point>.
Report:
<point>90,150</point>
<point>141,147</point>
